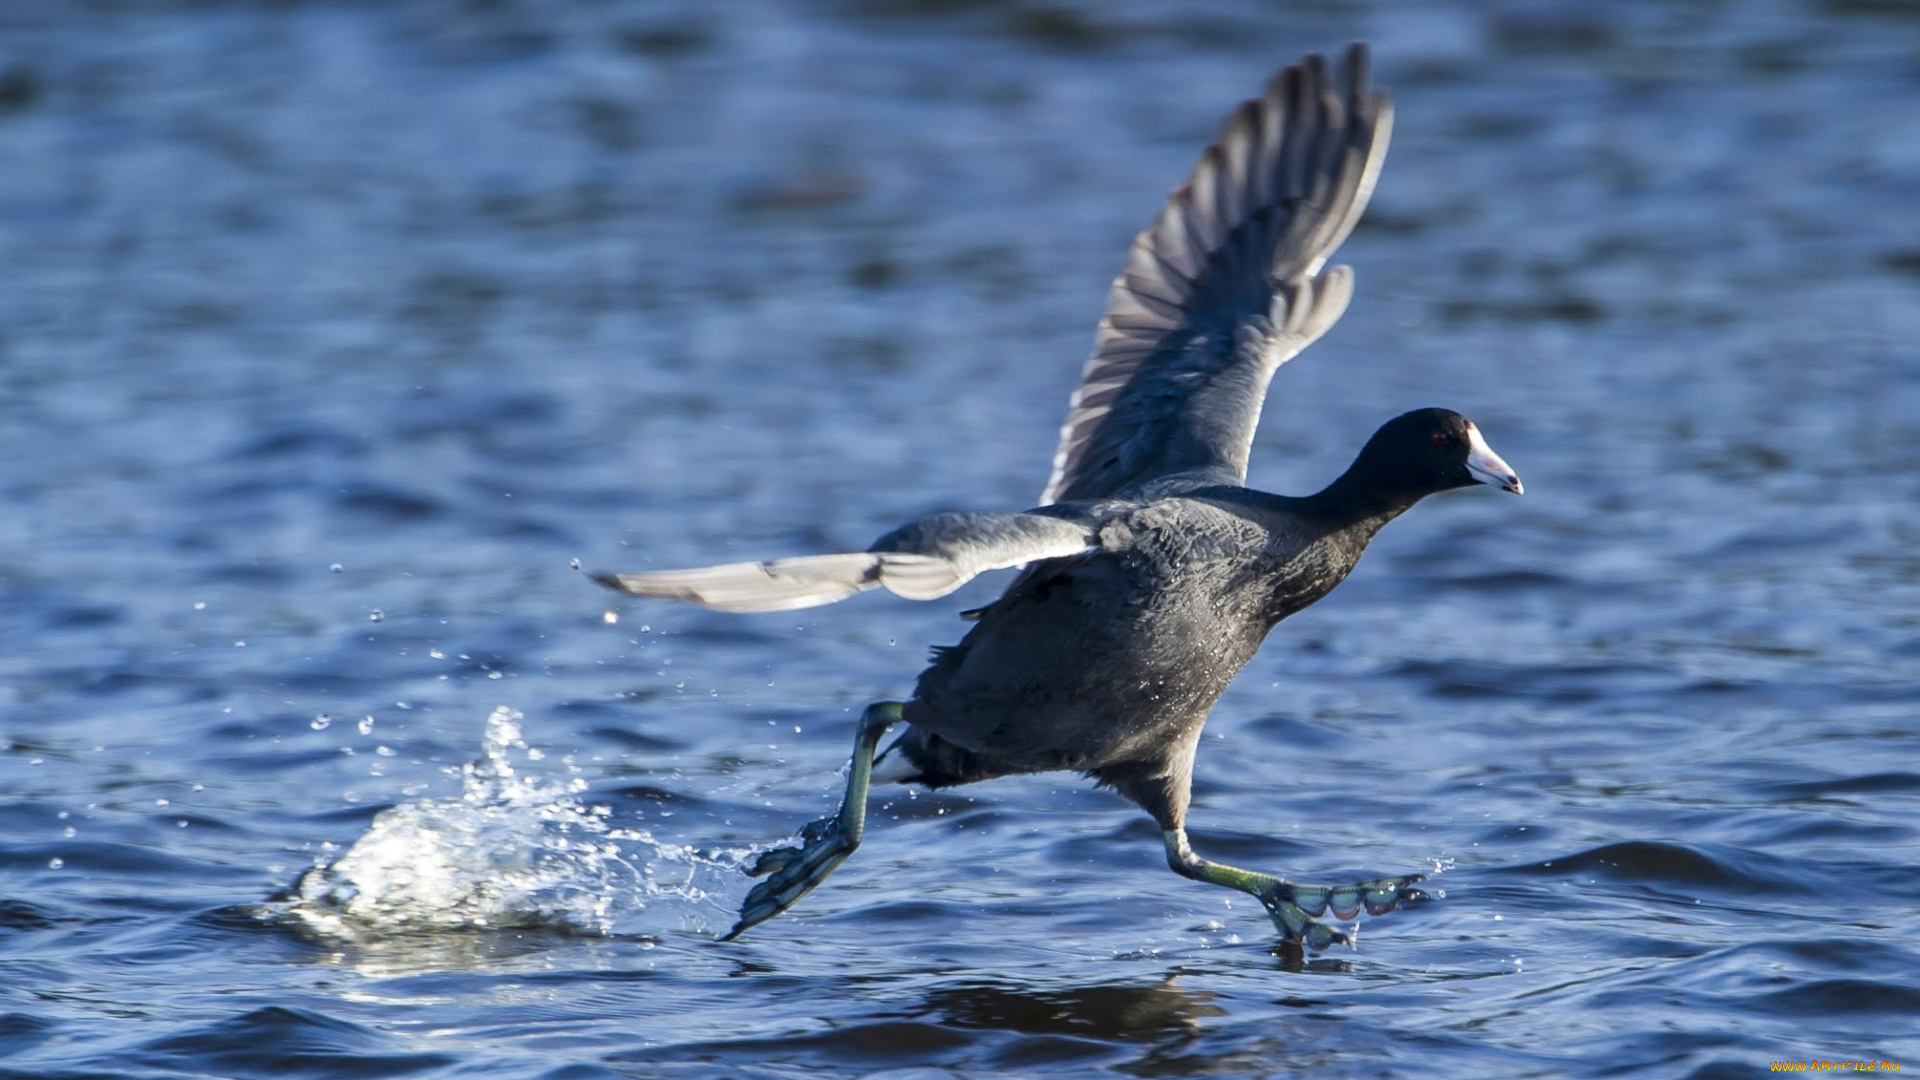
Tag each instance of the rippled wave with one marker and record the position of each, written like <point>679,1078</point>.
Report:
<point>339,339</point>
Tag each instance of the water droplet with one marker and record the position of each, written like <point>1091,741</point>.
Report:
<point>609,617</point>
<point>56,863</point>
<point>199,605</point>
<point>376,615</point>
<point>337,568</point>
<point>575,563</point>
<point>320,722</point>
<point>366,725</point>
<point>436,654</point>
<point>493,675</point>
<point>162,802</point>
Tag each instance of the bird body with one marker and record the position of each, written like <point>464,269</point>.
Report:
<point>1150,573</point>
<point>1110,657</point>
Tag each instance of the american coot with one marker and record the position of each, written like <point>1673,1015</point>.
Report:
<point>1151,574</point>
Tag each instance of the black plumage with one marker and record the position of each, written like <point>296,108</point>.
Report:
<point>1108,661</point>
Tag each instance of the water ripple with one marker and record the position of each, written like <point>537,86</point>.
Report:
<point>340,340</point>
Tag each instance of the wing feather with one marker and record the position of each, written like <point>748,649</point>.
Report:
<point>1227,284</point>
<point>921,561</point>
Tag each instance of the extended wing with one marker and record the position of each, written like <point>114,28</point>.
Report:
<point>921,561</point>
<point>1226,286</point>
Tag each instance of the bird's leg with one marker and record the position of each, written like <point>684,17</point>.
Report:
<point>827,842</point>
<point>1291,906</point>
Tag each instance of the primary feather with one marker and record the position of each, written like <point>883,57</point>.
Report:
<point>1225,286</point>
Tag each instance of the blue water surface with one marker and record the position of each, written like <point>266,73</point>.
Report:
<point>337,338</point>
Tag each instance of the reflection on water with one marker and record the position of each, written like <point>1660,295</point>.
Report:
<point>1125,1013</point>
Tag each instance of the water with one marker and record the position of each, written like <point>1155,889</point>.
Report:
<point>333,333</point>
<point>512,850</point>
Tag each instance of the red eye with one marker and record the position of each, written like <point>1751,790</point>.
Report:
<point>1441,438</point>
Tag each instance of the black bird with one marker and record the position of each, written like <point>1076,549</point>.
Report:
<point>1151,574</point>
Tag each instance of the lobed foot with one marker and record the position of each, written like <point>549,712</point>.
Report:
<point>1292,907</point>
<point>792,872</point>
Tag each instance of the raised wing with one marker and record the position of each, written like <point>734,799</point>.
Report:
<point>1226,286</point>
<point>922,561</point>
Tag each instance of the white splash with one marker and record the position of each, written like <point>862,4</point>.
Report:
<point>512,850</point>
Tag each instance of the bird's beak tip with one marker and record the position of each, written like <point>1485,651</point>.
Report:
<point>1486,467</point>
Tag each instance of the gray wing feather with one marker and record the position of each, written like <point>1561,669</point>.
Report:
<point>922,561</point>
<point>1226,285</point>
